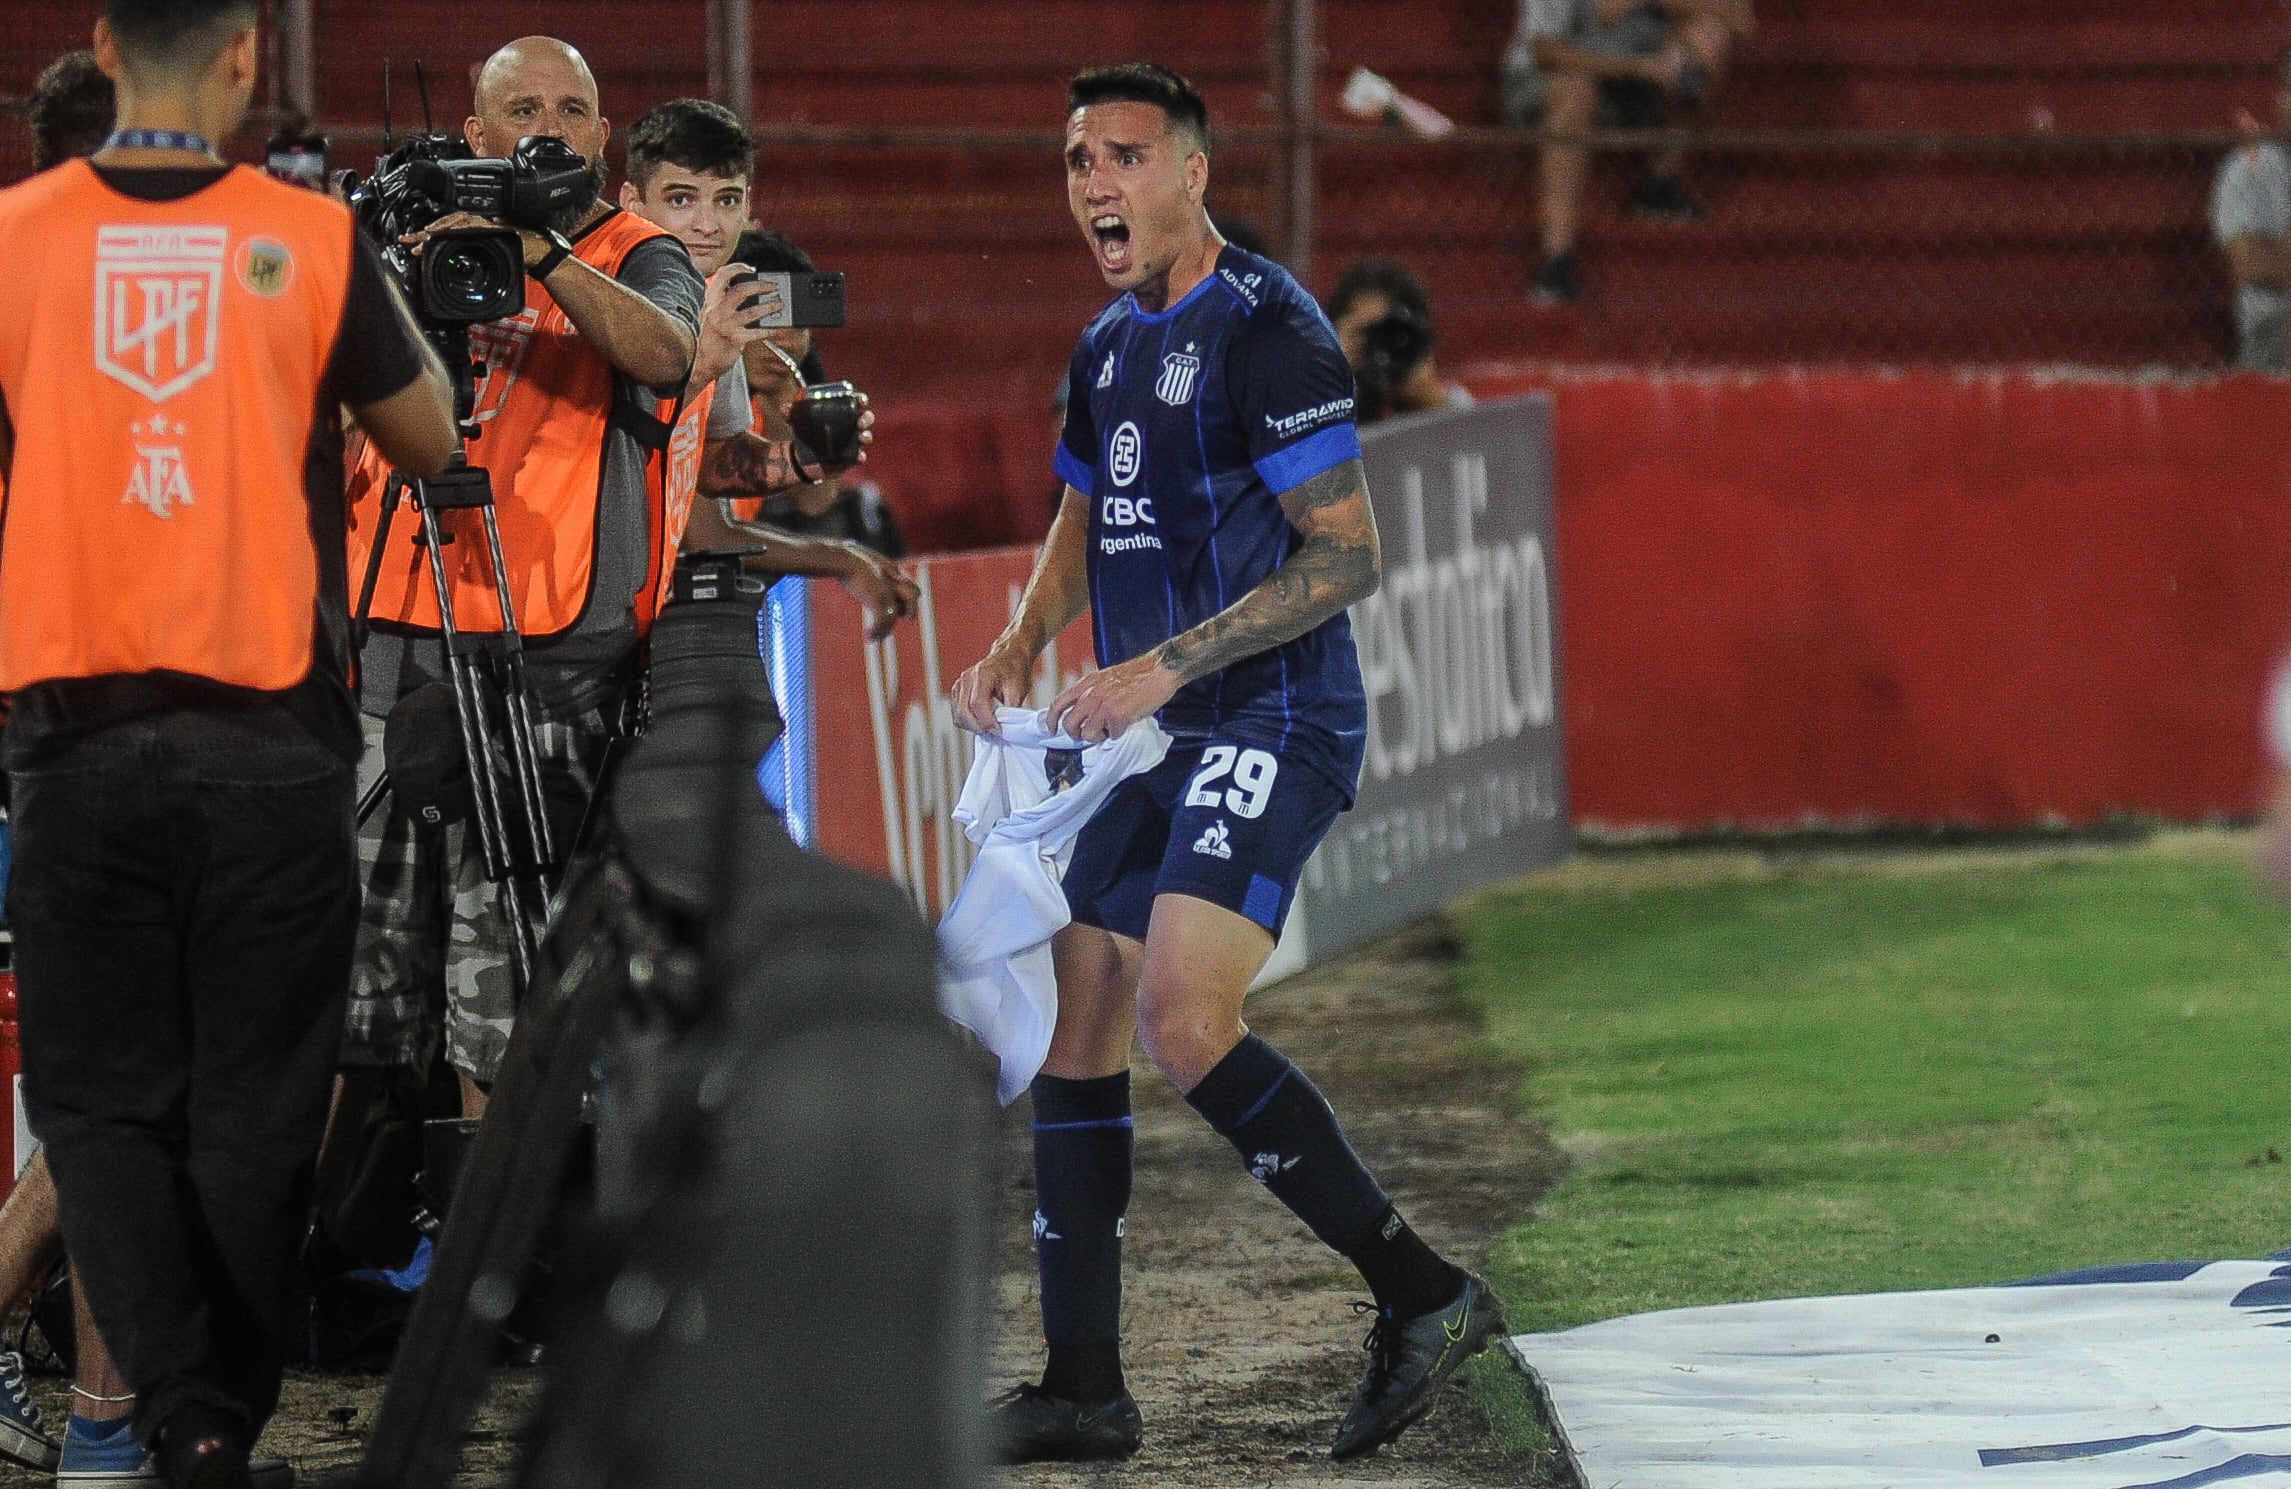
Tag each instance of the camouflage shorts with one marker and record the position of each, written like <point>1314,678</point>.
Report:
<point>433,950</point>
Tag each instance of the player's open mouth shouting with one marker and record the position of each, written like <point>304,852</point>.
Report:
<point>1113,237</point>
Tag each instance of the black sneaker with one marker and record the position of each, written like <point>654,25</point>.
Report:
<point>1663,199</point>
<point>1557,283</point>
<point>1032,1426</point>
<point>1409,1361</point>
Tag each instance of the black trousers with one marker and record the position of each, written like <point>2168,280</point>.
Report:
<point>184,901</point>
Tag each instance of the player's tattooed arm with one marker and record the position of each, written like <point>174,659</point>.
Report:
<point>1338,564</point>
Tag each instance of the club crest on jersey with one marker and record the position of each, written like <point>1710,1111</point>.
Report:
<point>1178,370</point>
<point>158,293</point>
<point>1127,454</point>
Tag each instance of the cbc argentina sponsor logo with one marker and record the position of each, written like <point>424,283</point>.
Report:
<point>1125,524</point>
<point>1286,425</point>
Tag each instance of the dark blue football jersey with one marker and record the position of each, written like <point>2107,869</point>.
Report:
<point>1183,427</point>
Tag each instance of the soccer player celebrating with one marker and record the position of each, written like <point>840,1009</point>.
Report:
<point>1216,523</point>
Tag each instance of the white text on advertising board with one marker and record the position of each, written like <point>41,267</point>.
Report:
<point>1455,651</point>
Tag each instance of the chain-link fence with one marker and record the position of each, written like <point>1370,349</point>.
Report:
<point>1811,247</point>
<point>2009,242</point>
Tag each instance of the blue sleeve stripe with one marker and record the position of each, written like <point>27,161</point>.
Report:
<point>1286,470</point>
<point>1073,472</point>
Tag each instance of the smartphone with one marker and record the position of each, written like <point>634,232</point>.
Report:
<point>807,301</point>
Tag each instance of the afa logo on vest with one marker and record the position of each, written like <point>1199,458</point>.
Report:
<point>158,293</point>
<point>159,479</point>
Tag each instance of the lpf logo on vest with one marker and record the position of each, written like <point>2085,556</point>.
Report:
<point>157,298</point>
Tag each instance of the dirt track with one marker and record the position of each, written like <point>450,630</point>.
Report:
<point>1243,1351</point>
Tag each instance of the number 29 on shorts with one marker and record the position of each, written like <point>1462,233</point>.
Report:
<point>1251,772</point>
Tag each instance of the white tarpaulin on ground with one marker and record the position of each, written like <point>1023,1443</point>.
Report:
<point>2171,1376</point>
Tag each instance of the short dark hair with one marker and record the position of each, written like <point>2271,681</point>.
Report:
<point>693,133</point>
<point>774,253</point>
<point>1145,82</point>
<point>71,110</point>
<point>177,35</point>
<point>1390,278</point>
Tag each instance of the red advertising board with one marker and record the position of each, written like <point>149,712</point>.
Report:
<point>890,761</point>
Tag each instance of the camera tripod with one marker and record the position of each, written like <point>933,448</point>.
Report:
<point>505,789</point>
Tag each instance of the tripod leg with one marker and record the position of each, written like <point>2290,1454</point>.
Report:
<point>371,802</point>
<point>391,493</point>
<point>469,710</point>
<point>477,747</point>
<point>527,760</point>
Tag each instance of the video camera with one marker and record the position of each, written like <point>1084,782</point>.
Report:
<point>467,276</point>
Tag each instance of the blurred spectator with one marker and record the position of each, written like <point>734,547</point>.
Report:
<point>71,110</point>
<point>851,508</point>
<point>1576,65</point>
<point>1383,317</point>
<point>2251,218</point>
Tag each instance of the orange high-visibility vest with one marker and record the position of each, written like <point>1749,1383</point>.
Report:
<point>544,411</point>
<point>679,482</point>
<point>162,364</point>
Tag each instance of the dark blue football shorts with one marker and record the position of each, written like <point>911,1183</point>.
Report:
<point>1220,820</point>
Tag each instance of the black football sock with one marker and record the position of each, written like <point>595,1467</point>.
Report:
<point>1084,1146</point>
<point>1285,1131</point>
<point>1407,1276</point>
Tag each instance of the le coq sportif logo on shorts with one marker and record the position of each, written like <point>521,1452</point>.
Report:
<point>158,304</point>
<point>1126,454</point>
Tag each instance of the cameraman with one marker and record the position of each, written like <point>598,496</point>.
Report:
<point>569,409</point>
<point>1383,319</point>
<point>690,163</point>
<point>172,629</point>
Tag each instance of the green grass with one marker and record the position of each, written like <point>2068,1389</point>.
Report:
<point>1859,1079</point>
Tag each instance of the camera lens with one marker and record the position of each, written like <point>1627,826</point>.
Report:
<point>472,275</point>
<point>460,276</point>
